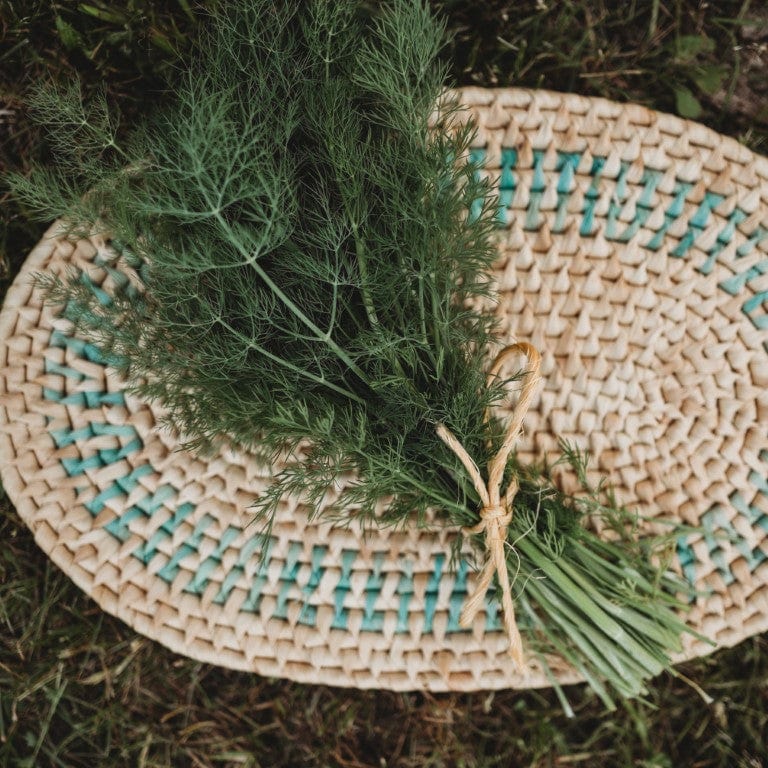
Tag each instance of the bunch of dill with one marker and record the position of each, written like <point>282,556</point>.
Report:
<point>297,214</point>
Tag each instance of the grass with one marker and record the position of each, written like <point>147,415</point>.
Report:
<point>81,689</point>
<point>78,688</point>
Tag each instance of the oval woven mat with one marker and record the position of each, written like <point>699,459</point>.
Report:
<point>633,253</point>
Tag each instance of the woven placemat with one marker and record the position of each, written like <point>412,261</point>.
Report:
<point>633,253</point>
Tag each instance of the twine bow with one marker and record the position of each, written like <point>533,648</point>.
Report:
<point>496,512</point>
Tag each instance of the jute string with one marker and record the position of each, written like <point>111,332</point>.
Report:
<point>496,511</point>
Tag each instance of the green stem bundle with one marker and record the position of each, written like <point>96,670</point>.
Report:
<point>298,215</point>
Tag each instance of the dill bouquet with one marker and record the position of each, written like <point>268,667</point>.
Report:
<point>296,214</point>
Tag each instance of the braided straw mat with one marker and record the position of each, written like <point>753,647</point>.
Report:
<point>633,254</point>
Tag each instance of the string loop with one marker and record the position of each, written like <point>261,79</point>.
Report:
<point>495,510</point>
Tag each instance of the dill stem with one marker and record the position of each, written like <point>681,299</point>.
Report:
<point>324,338</point>
<point>287,364</point>
<point>370,309</point>
<point>436,312</point>
<point>582,595</point>
<point>429,492</point>
<point>423,318</point>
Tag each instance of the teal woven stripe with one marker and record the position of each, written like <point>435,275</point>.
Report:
<point>405,592</point>
<point>738,282</point>
<point>67,436</point>
<point>720,534</point>
<point>755,306</point>
<point>84,400</point>
<point>288,579</point>
<point>723,239</point>
<point>687,559</point>
<point>120,487</point>
<point>253,602</point>
<point>430,596</point>
<point>119,527</point>
<point>103,297</point>
<point>476,157</point>
<point>188,547</point>
<point>757,555</point>
<point>617,201</point>
<point>343,586</point>
<point>202,576</point>
<point>82,349</point>
<point>308,613</point>
<point>492,618</point>
<point>63,370</point>
<point>588,225</point>
<point>254,547</point>
<point>149,504</point>
<point>127,256</point>
<point>458,596</point>
<point>119,279</point>
<point>146,507</point>
<point>102,458</point>
<point>373,620</point>
<point>508,162</point>
<point>145,552</point>
<point>697,223</point>
<point>533,216</point>
<point>750,307</point>
<point>566,165</point>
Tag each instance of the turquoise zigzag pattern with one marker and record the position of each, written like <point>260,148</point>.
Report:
<point>165,496</point>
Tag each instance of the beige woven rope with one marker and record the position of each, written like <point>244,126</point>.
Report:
<point>633,253</point>
<point>496,512</point>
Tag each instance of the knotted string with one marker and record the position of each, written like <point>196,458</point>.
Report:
<point>496,512</point>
